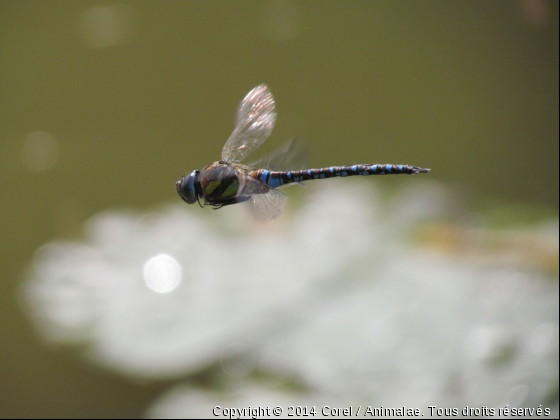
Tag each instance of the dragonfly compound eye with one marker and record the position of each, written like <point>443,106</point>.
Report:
<point>186,187</point>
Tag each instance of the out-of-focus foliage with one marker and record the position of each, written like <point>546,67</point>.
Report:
<point>337,301</point>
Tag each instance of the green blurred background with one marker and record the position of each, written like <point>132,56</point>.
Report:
<point>127,97</point>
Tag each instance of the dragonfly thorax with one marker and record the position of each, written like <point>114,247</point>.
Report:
<point>219,181</point>
<point>188,187</point>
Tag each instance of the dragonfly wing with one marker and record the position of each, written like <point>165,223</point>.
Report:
<point>254,123</point>
<point>268,206</point>
<point>266,203</point>
<point>291,156</point>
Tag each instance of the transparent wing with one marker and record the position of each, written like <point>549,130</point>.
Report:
<point>291,156</point>
<point>254,123</point>
<point>268,206</point>
<point>266,203</point>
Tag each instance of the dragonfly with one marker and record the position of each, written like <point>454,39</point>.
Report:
<point>228,181</point>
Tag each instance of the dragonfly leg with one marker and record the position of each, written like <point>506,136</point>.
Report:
<point>216,205</point>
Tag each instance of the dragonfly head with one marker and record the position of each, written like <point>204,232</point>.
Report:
<point>188,187</point>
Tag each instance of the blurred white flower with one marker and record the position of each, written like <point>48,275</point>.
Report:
<point>189,402</point>
<point>335,298</point>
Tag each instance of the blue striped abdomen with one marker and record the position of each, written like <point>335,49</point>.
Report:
<point>277,179</point>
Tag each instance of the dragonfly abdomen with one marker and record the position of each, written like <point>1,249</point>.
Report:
<point>276,179</point>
